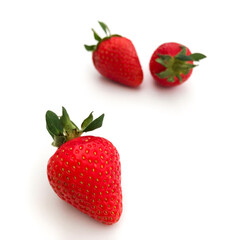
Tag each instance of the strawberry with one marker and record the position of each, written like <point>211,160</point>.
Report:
<point>172,63</point>
<point>85,171</point>
<point>115,58</point>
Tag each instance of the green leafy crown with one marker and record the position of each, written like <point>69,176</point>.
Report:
<point>175,66</point>
<point>62,129</point>
<point>98,38</point>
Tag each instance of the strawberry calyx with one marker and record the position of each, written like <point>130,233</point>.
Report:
<point>105,28</point>
<point>62,129</point>
<point>181,64</point>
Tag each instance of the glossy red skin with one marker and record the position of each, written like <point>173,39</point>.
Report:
<point>116,59</point>
<point>86,173</point>
<point>171,49</point>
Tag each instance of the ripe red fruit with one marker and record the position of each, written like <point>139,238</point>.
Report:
<point>115,58</point>
<point>85,171</point>
<point>172,63</point>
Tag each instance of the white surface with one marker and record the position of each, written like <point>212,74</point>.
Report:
<point>179,147</point>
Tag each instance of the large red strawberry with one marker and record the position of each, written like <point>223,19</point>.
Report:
<point>171,64</point>
<point>115,58</point>
<point>85,171</point>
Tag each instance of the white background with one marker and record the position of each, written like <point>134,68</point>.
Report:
<point>179,147</point>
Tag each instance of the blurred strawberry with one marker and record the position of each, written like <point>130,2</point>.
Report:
<point>115,58</point>
<point>172,63</point>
